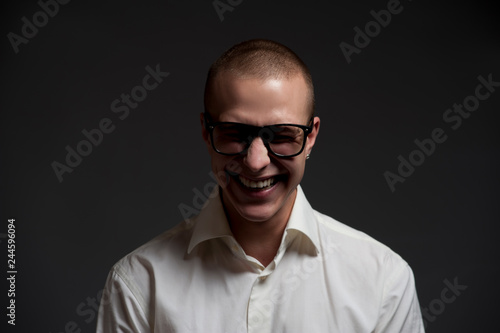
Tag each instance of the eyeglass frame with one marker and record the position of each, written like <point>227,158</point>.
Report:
<point>210,126</point>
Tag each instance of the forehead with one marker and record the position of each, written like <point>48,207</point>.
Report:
<point>258,101</point>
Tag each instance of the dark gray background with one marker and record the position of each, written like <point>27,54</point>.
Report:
<point>442,219</point>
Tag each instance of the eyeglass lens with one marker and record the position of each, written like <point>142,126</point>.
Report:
<point>236,138</point>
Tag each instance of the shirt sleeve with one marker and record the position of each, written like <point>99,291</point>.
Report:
<point>120,311</point>
<point>400,311</point>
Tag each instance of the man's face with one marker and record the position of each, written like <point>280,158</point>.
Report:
<point>259,103</point>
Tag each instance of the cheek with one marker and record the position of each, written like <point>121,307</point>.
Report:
<point>296,170</point>
<point>222,166</point>
<point>232,166</point>
<point>218,169</point>
<point>294,166</point>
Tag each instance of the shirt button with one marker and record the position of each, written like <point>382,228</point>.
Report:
<point>263,278</point>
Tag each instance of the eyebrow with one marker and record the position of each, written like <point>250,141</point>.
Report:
<point>209,121</point>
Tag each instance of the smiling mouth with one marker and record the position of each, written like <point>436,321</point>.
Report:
<point>257,185</point>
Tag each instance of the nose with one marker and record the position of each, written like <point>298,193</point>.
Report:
<point>257,156</point>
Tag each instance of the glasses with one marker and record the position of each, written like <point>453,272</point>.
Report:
<point>281,140</point>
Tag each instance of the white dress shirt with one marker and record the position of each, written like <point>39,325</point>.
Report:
<point>326,277</point>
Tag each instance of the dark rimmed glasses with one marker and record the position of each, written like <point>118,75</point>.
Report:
<point>281,140</point>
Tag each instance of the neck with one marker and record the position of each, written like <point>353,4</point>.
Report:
<point>260,239</point>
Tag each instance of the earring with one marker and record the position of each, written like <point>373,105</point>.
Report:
<point>307,156</point>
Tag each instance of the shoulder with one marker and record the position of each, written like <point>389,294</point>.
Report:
<point>355,248</point>
<point>166,247</point>
<point>131,283</point>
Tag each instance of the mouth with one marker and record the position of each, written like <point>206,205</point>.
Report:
<point>263,184</point>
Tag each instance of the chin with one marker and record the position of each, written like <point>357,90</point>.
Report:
<point>259,211</point>
<point>255,214</point>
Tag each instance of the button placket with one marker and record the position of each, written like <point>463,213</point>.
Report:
<point>260,307</point>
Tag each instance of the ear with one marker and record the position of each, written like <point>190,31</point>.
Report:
<point>311,138</point>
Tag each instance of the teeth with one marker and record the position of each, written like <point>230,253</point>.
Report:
<point>258,185</point>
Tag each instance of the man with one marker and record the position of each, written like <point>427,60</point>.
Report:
<point>258,258</point>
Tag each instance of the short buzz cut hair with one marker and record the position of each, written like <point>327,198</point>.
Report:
<point>261,59</point>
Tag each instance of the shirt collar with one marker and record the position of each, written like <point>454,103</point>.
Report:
<point>212,222</point>
<point>303,220</point>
